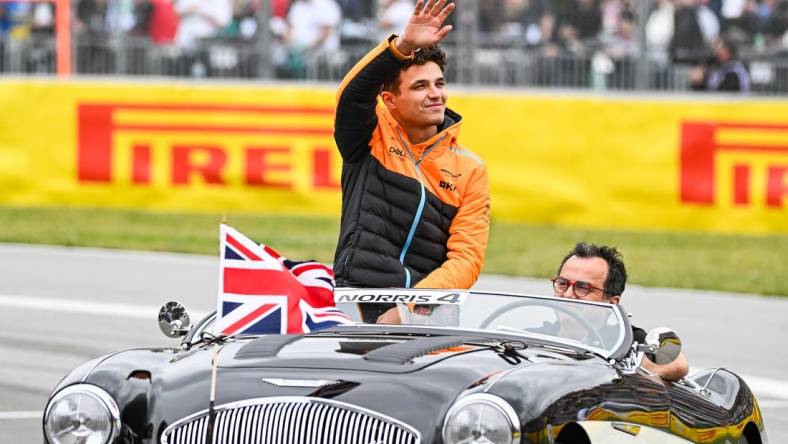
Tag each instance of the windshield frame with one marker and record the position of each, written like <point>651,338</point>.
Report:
<point>617,352</point>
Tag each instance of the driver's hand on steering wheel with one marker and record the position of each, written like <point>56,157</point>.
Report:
<point>390,316</point>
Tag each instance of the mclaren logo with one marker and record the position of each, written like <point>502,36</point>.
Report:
<point>446,172</point>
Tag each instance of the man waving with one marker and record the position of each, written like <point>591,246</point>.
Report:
<point>415,203</point>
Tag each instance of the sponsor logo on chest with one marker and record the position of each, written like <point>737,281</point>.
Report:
<point>447,185</point>
<point>399,152</point>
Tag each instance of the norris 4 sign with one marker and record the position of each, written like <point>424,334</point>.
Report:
<point>702,165</point>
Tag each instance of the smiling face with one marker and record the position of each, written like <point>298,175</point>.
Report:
<point>420,100</point>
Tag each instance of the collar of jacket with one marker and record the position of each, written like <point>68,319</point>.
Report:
<point>451,126</point>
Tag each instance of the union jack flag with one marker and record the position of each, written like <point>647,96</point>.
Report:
<point>261,292</point>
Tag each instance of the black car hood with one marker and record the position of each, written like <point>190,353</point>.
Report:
<point>399,377</point>
<point>372,353</point>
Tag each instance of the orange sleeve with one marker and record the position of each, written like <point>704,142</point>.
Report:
<point>468,236</point>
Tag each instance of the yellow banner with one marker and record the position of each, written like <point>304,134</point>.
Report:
<point>592,161</point>
<point>169,146</point>
<point>701,165</point>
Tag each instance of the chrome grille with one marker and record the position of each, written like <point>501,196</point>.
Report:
<point>291,420</point>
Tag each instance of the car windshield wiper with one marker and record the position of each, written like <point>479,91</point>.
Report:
<point>573,346</point>
<point>208,338</point>
<point>582,350</point>
<point>367,332</point>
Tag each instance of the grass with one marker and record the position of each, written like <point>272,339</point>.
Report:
<point>735,263</point>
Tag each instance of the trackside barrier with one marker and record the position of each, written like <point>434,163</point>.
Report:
<point>673,163</point>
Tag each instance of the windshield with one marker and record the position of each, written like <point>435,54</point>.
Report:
<point>595,326</point>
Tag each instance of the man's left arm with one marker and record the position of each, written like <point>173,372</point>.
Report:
<point>467,238</point>
<point>669,372</point>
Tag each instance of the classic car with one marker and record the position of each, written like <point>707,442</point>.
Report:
<point>462,367</point>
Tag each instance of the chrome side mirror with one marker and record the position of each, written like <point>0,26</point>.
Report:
<point>663,345</point>
<point>173,319</point>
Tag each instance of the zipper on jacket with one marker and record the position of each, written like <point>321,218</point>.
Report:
<point>422,201</point>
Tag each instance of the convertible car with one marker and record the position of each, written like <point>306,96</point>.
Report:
<point>462,367</point>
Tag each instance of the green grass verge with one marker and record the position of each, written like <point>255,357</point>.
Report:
<point>748,264</point>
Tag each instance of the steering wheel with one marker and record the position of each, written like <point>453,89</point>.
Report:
<point>593,334</point>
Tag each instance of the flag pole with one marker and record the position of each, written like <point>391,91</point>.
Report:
<point>212,396</point>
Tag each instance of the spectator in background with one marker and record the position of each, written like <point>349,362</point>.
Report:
<point>155,19</point>
<point>200,19</point>
<point>725,74</point>
<point>732,9</point>
<point>659,29</point>
<point>584,18</point>
<point>15,20</point>
<point>393,16</point>
<point>43,19</point>
<point>708,21</point>
<point>279,8</point>
<point>92,16</point>
<point>356,10</point>
<point>245,20</point>
<point>120,16</point>
<point>41,57</point>
<point>92,54</point>
<point>491,16</point>
<point>740,22</point>
<point>659,34</point>
<point>688,44</point>
<point>777,27</point>
<point>622,49</point>
<point>312,30</point>
<point>163,22</point>
<point>621,44</point>
<point>314,25</point>
<point>612,11</point>
<point>528,15</point>
<point>580,21</point>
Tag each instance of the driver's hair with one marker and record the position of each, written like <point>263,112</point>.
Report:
<point>616,271</point>
<point>431,54</point>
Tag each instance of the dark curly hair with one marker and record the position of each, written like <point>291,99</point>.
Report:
<point>616,278</point>
<point>432,54</point>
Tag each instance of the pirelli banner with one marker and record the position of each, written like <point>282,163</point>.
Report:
<point>709,164</point>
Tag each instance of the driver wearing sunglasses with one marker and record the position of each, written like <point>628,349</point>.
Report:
<point>597,273</point>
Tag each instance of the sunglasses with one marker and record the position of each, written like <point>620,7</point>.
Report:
<point>582,288</point>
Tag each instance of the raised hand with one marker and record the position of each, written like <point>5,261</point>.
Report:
<point>425,27</point>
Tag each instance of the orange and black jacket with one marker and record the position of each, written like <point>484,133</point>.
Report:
<point>412,214</point>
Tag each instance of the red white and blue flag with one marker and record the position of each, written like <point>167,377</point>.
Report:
<point>260,292</point>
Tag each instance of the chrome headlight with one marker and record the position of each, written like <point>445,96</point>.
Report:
<point>481,418</point>
<point>81,414</point>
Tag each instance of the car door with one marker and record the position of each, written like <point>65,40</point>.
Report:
<point>647,401</point>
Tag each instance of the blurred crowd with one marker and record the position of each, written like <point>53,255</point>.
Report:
<point>685,30</point>
<point>604,32</point>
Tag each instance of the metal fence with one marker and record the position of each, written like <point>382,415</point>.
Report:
<point>481,61</point>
